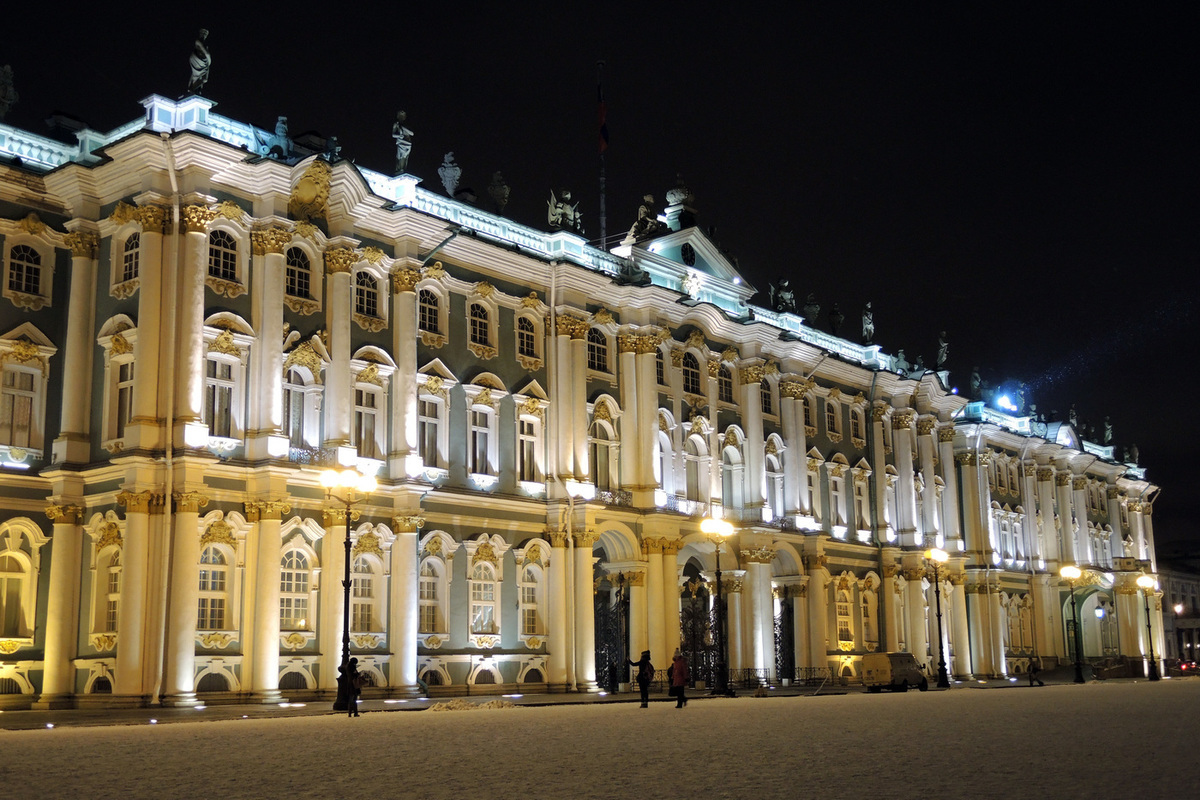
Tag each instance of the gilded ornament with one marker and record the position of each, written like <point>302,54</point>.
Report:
<point>340,259</point>
<point>123,213</point>
<point>714,367</point>
<point>652,546</point>
<point>484,289</point>
<point>190,501</point>
<point>533,642</point>
<point>730,440</point>
<point>120,346</point>
<point>482,351</point>
<point>64,515</point>
<point>662,424</point>
<point>434,271</point>
<point>433,642</point>
<point>534,555</point>
<point>1062,479</point>
<point>1045,474</point>
<point>266,509</point>
<point>108,534</point>
<point>603,317</point>
<point>294,641</point>
<point>269,240</point>
<point>557,538</point>
<point>195,218</point>
<point>366,641</point>
<point>368,542</point>
<point>310,195</point>
<point>218,532</point>
<point>407,523</point>
<point>434,385</point>
<point>1080,484</point>
<point>224,343</point>
<point>405,279</point>
<point>1029,470</point>
<point>370,374</point>
<point>32,225</point>
<point>305,229</point>
<point>752,374</point>
<point>532,408</point>
<point>946,433</point>
<point>217,640</point>
<point>1113,493</point>
<point>303,356</point>
<point>83,244</point>
<point>230,210</point>
<point>730,354</point>
<point>586,539</point>
<point>485,552</point>
<point>103,642</point>
<point>760,555</point>
<point>136,502</point>
<point>902,420</point>
<point>771,448</point>
<point>154,219</point>
<point>676,357</point>
<point>926,425</point>
<point>484,398</point>
<point>433,547</point>
<point>602,412</point>
<point>436,341</point>
<point>486,642</point>
<point>373,255</point>
<point>17,454</point>
<point>230,289</point>
<point>531,301</point>
<point>696,339</point>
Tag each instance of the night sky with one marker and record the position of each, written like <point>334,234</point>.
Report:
<point>1022,178</point>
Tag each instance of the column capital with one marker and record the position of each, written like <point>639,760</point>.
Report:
<point>759,555</point>
<point>1045,474</point>
<point>945,433</point>
<point>1062,479</point>
<point>257,510</point>
<point>154,219</point>
<point>407,523</point>
<point>1113,493</point>
<point>926,425</point>
<point>635,578</point>
<point>269,240</point>
<point>671,547</point>
<point>902,419</point>
<point>195,218</point>
<point>405,279</point>
<point>64,514</point>
<point>190,502</point>
<point>335,516</point>
<point>83,244</point>
<point>140,502</point>
<point>340,259</point>
<point>1079,483</point>
<point>585,539</point>
<point>652,547</point>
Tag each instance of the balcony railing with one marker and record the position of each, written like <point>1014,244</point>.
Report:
<point>619,497</point>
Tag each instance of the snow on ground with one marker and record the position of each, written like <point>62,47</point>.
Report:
<point>1098,740</point>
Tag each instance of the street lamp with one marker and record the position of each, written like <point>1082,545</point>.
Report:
<point>719,530</point>
<point>347,486</point>
<point>1147,583</point>
<point>1072,573</point>
<point>939,556</point>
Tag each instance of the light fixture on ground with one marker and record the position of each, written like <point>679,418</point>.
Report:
<point>939,556</point>
<point>1072,573</point>
<point>719,530</point>
<point>348,487</point>
<point>1147,584</point>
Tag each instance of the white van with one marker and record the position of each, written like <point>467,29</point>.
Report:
<point>895,671</point>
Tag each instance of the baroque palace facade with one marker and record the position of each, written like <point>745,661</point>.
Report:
<point>192,327</point>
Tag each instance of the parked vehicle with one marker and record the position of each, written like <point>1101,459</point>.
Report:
<point>895,671</point>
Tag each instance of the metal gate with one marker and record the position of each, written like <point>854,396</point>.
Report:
<point>785,640</point>
<point>612,634</point>
<point>697,640</point>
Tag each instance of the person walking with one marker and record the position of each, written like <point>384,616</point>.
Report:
<point>354,687</point>
<point>1034,669</point>
<point>645,674</point>
<point>679,678</point>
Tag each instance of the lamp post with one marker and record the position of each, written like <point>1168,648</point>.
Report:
<point>719,530</point>
<point>939,556</point>
<point>1072,573</point>
<point>347,486</point>
<point>1147,583</point>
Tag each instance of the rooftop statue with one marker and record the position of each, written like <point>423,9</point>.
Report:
<point>782,296</point>
<point>900,363</point>
<point>201,62</point>
<point>450,173</point>
<point>333,150</point>
<point>1073,417</point>
<point>562,214</point>
<point>976,384</point>
<point>836,318</point>
<point>8,95</point>
<point>498,190</point>
<point>278,144</point>
<point>811,310</point>
<point>403,137</point>
<point>868,332</point>
<point>1108,431</point>
<point>943,350</point>
<point>647,223</point>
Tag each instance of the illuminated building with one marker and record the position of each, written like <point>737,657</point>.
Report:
<point>191,326</point>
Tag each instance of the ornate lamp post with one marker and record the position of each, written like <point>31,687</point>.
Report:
<point>719,530</point>
<point>1072,573</point>
<point>1147,583</point>
<point>939,556</point>
<point>347,486</point>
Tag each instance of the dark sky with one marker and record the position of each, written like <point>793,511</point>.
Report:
<point>1024,178</point>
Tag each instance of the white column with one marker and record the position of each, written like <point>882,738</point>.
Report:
<point>761,612</point>
<point>265,417</point>
<point>633,442</point>
<point>951,529</point>
<point>818,609</point>
<point>556,580</point>
<point>1066,533</point>
<point>264,670</point>
<point>189,325</point>
<point>794,466</point>
<point>129,688</point>
<point>639,616</point>
<point>332,599</point>
<point>735,582</point>
<point>754,474</point>
<point>1131,630</point>
<point>958,627</point>
<point>405,605</point>
<point>652,550</point>
<point>975,535</point>
<point>998,623</point>
<point>1080,502</point>
<point>888,610</point>
<point>671,592</point>
<point>585,621</point>
<point>802,633</point>
<point>978,625</point>
<point>338,265</point>
<point>906,498</point>
<point>927,454</point>
<point>914,606</point>
<point>179,685</point>
<point>646,346</point>
<point>578,404</point>
<point>1033,550</point>
<point>561,407</point>
<point>1047,531</point>
<point>62,608</point>
<point>72,444</point>
<point>404,454</point>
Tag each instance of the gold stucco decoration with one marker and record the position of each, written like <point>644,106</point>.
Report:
<point>602,317</point>
<point>305,229</point>
<point>270,240</point>
<point>434,385</point>
<point>224,343</point>
<point>83,244</point>
<point>534,555</point>
<point>120,345</point>
<point>433,547</point>
<point>368,542</point>
<point>303,356</point>
<point>434,271</point>
<point>109,534</point>
<point>218,532</point>
<point>484,289</point>
<point>373,255</point>
<point>405,279</point>
<point>531,301</point>
<point>696,339</point>
<point>602,412</point>
<point>485,552</point>
<point>370,374</point>
<point>197,218</point>
<point>230,210</point>
<point>340,259</point>
<point>123,213</point>
<point>32,225</point>
<point>310,195</point>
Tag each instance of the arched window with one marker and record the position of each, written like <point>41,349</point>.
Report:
<point>868,620</point>
<point>526,338</point>
<point>293,592</point>
<point>480,333</point>
<point>294,407</point>
<point>660,368</point>
<point>531,613</point>
<point>833,421</point>
<point>366,294</point>
<point>429,307</point>
<point>429,429</point>
<point>298,276</point>
<point>222,255</point>
<point>483,599</point>
<point>663,463</point>
<point>106,591</point>
<point>210,611</point>
<point>368,400</point>
<point>130,257</point>
<point>691,374</point>
<point>24,270</point>
<point>692,456</point>
<point>810,417</point>
<point>219,385</point>
<point>362,596</point>
<point>856,424</point>
<point>775,486</point>
<point>845,620</point>
<point>432,589</point>
<point>768,406</point>
<point>724,385</point>
<point>480,454</point>
<point>602,455</point>
<point>528,437</point>
<point>597,350</point>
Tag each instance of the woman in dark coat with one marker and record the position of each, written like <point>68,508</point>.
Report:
<point>645,674</point>
<point>679,679</point>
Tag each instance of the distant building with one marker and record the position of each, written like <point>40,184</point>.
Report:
<point>1181,612</point>
<point>198,317</point>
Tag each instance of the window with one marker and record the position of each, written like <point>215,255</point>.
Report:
<point>724,385</point>
<point>131,257</point>
<point>298,277</point>
<point>597,350</point>
<point>480,442</point>
<point>479,332</point>
<point>222,255</point>
<point>293,591</point>
<point>366,419</point>
<point>810,418</point>
<point>124,396</point>
<point>768,407</point>
<point>774,486</point>
<point>527,438</point>
<point>429,420</point>
<point>210,614</point>
<point>294,407</point>
<point>660,368</point>
<point>429,309</point>
<point>218,397</point>
<point>691,374</point>
<point>867,620</point>
<point>861,515</point>
<point>366,294</point>
<point>663,462</point>
<point>112,598</point>
<point>362,596</point>
<point>856,424</point>
<point>24,270</point>
<point>432,620</point>
<point>833,424</point>
<point>526,338</point>
<point>531,616</point>
<point>603,458</point>
<point>18,402</point>
<point>694,466</point>
<point>844,620</point>
<point>483,599</point>
<point>12,589</point>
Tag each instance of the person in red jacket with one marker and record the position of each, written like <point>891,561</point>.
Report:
<point>679,679</point>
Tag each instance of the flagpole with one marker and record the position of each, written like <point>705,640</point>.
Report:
<point>603,113</point>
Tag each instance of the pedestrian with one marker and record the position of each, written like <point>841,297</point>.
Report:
<point>679,678</point>
<point>1034,669</point>
<point>353,687</point>
<point>645,674</point>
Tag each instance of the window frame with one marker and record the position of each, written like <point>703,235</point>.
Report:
<point>44,253</point>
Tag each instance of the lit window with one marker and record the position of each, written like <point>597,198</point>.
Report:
<point>362,596</point>
<point>24,270</point>
<point>768,407</point>
<point>13,578</point>
<point>366,295</point>
<point>531,616</point>
<point>527,447</point>
<point>210,614</point>
<point>844,619</point>
<point>660,368</point>
<point>429,413</point>
<point>597,350</point>
<point>832,420</point>
<point>810,419</point>
<point>131,257</point>
<point>293,592</point>
<point>430,596</point>
<point>724,385</point>
<point>526,338</point>
<point>856,423</point>
<point>480,334</point>
<point>480,442</point>
<point>222,255</point>
<point>218,397</point>
<point>366,421</point>
<point>603,454</point>
<point>298,278</point>
<point>691,374</point>
<point>429,311</point>
<point>112,599</point>
<point>483,599</point>
<point>18,403</point>
<point>294,407</point>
